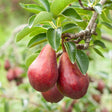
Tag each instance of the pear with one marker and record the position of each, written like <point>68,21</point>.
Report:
<point>10,74</point>
<point>71,83</point>
<point>43,72</point>
<point>53,95</point>
<point>7,64</point>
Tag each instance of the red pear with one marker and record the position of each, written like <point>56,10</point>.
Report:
<point>71,82</point>
<point>10,74</point>
<point>96,97</point>
<point>18,71</point>
<point>100,86</point>
<point>7,64</point>
<point>53,95</point>
<point>43,72</point>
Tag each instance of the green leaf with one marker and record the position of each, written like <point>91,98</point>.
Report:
<point>38,39</point>
<point>98,8</point>
<point>54,36</point>
<point>6,106</point>
<point>71,50</point>
<point>72,14</point>
<point>24,33</point>
<point>46,4</point>
<point>32,7</point>
<point>82,61</point>
<point>107,25</point>
<point>98,52</point>
<point>42,17</point>
<point>30,59</point>
<point>99,43</point>
<point>30,21</point>
<point>38,31</point>
<point>58,6</point>
<point>69,27</point>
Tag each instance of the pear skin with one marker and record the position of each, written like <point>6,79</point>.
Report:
<point>53,95</point>
<point>43,72</point>
<point>71,83</point>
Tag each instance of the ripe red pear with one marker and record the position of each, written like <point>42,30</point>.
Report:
<point>7,64</point>
<point>53,95</point>
<point>43,72</point>
<point>10,74</point>
<point>100,86</point>
<point>71,82</point>
<point>18,72</point>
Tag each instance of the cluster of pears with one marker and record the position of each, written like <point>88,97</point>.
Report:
<point>13,73</point>
<point>54,83</point>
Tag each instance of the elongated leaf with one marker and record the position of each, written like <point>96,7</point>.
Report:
<point>40,38</point>
<point>54,36</point>
<point>30,21</point>
<point>58,6</point>
<point>71,50</point>
<point>32,7</point>
<point>107,25</point>
<point>6,106</point>
<point>99,43</point>
<point>38,31</point>
<point>72,14</point>
<point>42,17</point>
<point>30,59</point>
<point>45,4</point>
<point>24,33</point>
<point>69,27</point>
<point>82,61</point>
<point>98,52</point>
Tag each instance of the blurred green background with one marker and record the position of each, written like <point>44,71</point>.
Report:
<point>23,98</point>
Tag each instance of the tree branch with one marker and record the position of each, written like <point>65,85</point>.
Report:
<point>90,30</point>
<point>85,8</point>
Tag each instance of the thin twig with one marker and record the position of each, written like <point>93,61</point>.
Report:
<point>85,8</point>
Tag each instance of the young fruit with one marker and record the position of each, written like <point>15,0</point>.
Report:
<point>7,64</point>
<point>100,86</point>
<point>10,74</point>
<point>71,82</point>
<point>53,95</point>
<point>43,72</point>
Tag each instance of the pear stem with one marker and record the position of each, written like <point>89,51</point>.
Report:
<point>63,40</point>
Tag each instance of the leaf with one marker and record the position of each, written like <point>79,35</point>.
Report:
<point>98,52</point>
<point>69,27</point>
<point>107,25</point>
<point>71,50</point>
<point>98,8</point>
<point>38,31</point>
<point>30,59</point>
<point>42,17</point>
<point>6,106</point>
<point>70,13</point>
<point>82,61</point>
<point>58,6</point>
<point>40,38</point>
<point>99,43</point>
<point>30,21</point>
<point>46,4</point>
<point>54,36</point>
<point>32,7</point>
<point>24,33</point>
